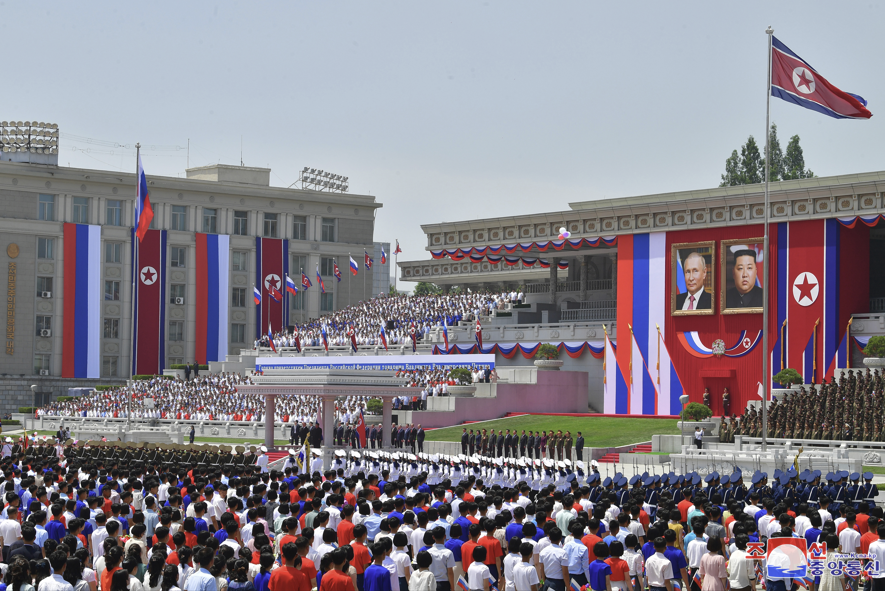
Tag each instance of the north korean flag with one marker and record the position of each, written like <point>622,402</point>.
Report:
<point>369,260</point>
<point>795,81</point>
<point>305,282</point>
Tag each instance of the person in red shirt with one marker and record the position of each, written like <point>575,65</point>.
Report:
<point>336,579</point>
<point>307,565</point>
<point>467,547</point>
<point>685,505</point>
<point>871,535</point>
<point>345,527</point>
<point>591,539</point>
<point>291,535</point>
<point>494,552</point>
<point>862,519</point>
<point>361,556</point>
<point>288,577</point>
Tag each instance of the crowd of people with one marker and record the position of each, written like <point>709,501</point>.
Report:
<point>851,408</point>
<point>73,520</point>
<point>397,314</point>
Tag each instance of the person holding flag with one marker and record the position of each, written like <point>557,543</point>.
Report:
<point>383,255</point>
<point>369,260</point>
<point>361,431</point>
<point>351,334</point>
<point>305,282</point>
<point>270,338</point>
<point>325,337</point>
<point>414,336</point>
<point>354,268</point>
<point>336,271</point>
<point>320,280</point>
<point>446,333</point>
<point>479,335</point>
<point>290,286</point>
<point>383,336</point>
<point>297,339</point>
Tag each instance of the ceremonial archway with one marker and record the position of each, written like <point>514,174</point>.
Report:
<point>327,385</point>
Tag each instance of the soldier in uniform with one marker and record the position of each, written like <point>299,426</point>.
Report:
<point>551,445</point>
<point>567,445</point>
<point>493,444</point>
<point>726,403</point>
<point>508,442</point>
<point>560,439</point>
<point>707,397</point>
<point>538,445</point>
<point>485,443</point>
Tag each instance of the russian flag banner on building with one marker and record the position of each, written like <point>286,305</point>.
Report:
<point>149,324</point>
<point>81,333</point>
<point>614,387</point>
<point>271,266</point>
<point>213,263</point>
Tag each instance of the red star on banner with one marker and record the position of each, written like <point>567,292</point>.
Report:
<point>805,289</point>
<point>804,80</point>
<point>147,275</point>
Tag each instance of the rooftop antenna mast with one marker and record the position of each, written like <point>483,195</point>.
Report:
<point>241,150</point>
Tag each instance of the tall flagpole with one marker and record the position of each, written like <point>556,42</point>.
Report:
<point>349,275</point>
<point>765,273</point>
<point>395,266</point>
<point>135,275</point>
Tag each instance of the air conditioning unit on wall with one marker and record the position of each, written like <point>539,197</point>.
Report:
<point>179,301</point>
<point>45,332</point>
<point>44,372</point>
<point>45,294</point>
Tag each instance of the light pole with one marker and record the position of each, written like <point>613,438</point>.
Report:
<point>33,403</point>
<point>683,400</point>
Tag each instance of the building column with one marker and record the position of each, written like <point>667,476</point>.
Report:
<point>386,421</point>
<point>614,263</point>
<point>269,417</point>
<point>583,259</point>
<point>554,278</point>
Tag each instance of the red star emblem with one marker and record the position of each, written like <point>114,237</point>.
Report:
<point>805,289</point>
<point>273,282</point>
<point>804,80</point>
<point>147,275</point>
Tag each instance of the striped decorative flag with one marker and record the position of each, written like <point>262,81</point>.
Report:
<point>462,583</point>
<point>213,253</point>
<point>81,331</point>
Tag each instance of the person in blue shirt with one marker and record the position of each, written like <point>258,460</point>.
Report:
<point>812,534</point>
<point>377,577</point>
<point>199,522</point>
<point>266,560</point>
<point>600,571</point>
<point>514,530</point>
<point>455,542</point>
<point>55,528</point>
<point>676,558</point>
<point>614,528</point>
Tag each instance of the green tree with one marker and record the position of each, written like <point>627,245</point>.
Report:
<point>794,161</point>
<point>391,290</point>
<point>752,166</point>
<point>425,288</point>
<point>776,161</point>
<point>732,176</point>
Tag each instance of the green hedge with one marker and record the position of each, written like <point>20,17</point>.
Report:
<point>182,366</point>
<point>103,388</point>
<point>521,306</point>
<point>11,422</point>
<point>503,314</point>
<point>65,398</point>
<point>148,377</point>
<point>26,409</point>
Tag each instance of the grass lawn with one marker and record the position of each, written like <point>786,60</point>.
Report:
<point>598,431</point>
<point>874,469</point>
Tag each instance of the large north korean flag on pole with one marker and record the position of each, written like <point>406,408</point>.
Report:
<point>149,355</point>
<point>271,268</point>
<point>795,81</point>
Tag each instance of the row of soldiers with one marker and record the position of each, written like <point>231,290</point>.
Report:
<point>531,445</point>
<point>851,408</point>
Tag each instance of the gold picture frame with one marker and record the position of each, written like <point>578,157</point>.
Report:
<point>678,255</point>
<point>729,294</point>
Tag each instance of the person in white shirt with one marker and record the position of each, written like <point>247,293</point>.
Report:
<point>849,538</point>
<point>741,568</point>
<point>58,560</point>
<point>478,574</point>
<point>525,575</point>
<point>511,561</point>
<point>658,568</point>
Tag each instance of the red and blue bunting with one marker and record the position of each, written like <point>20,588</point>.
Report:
<point>528,350</point>
<point>869,220</point>
<point>457,254</point>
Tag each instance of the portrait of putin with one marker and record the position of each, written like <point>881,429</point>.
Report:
<point>694,268</point>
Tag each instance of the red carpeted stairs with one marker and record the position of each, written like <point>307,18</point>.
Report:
<point>273,456</point>
<point>615,457</point>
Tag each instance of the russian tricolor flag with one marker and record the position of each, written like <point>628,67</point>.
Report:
<point>213,256</point>
<point>383,255</point>
<point>383,336</point>
<point>446,334</point>
<point>81,333</point>
<point>354,268</point>
<point>256,295</point>
<point>290,286</point>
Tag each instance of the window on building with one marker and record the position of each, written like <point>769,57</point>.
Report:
<point>239,297</point>
<point>299,262</point>
<point>270,225</point>
<point>112,328</point>
<point>239,260</point>
<point>327,266</point>
<point>326,302</point>
<point>238,333</point>
<point>179,217</point>
<point>209,220</point>
<point>175,361</point>
<point>176,330</point>
<point>298,300</point>
<point>176,290</point>
<point>46,208</point>
<point>179,256</point>
<point>81,210</point>
<point>114,213</point>
<point>299,228</point>
<point>241,223</point>
<point>41,363</point>
<point>330,226</point>
<point>43,323</point>
<point>45,248</point>
<point>44,284</point>
<point>109,366</point>
<point>111,290</point>
<point>113,252</point>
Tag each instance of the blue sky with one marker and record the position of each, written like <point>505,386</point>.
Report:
<point>444,111</point>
